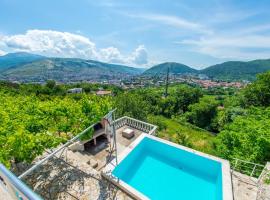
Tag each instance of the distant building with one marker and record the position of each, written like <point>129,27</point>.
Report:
<point>203,77</point>
<point>75,90</point>
<point>104,93</point>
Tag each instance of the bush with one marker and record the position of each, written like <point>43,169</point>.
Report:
<point>258,93</point>
<point>201,114</point>
<point>158,121</point>
<point>247,137</point>
<point>132,105</point>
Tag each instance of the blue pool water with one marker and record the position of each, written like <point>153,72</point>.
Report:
<point>161,171</point>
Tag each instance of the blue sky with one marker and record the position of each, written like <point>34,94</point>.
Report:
<point>140,33</point>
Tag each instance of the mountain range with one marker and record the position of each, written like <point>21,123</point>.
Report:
<point>227,71</point>
<point>35,68</point>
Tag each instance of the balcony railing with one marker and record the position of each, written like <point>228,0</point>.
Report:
<point>248,168</point>
<point>137,124</point>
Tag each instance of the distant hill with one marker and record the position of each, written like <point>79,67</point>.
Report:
<point>175,68</point>
<point>31,68</point>
<point>14,59</point>
<point>237,70</point>
<point>38,68</point>
<point>228,71</point>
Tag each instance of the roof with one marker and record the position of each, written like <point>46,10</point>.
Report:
<point>75,89</point>
<point>104,92</point>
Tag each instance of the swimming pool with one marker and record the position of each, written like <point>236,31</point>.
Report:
<point>157,169</point>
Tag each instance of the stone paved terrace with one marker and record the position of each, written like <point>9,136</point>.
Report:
<point>244,187</point>
<point>69,179</point>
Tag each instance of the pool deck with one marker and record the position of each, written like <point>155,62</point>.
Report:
<point>107,171</point>
<point>244,186</point>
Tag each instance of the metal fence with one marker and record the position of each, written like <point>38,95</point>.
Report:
<point>248,168</point>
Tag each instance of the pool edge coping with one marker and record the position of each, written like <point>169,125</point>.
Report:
<point>227,192</point>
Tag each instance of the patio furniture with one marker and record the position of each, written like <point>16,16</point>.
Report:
<point>128,133</point>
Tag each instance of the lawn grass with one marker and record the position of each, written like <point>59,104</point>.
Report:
<point>187,135</point>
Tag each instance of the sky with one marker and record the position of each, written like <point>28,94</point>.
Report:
<point>138,33</point>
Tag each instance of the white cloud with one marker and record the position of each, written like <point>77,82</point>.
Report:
<point>233,47</point>
<point>255,29</point>
<point>2,53</point>
<point>173,21</point>
<point>140,56</point>
<point>111,54</point>
<point>52,43</point>
<point>65,44</point>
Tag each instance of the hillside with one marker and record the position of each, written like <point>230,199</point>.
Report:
<point>175,68</point>
<point>228,71</point>
<point>30,67</point>
<point>237,70</point>
<point>14,59</point>
<point>65,69</point>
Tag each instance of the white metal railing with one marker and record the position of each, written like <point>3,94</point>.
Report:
<point>255,172</point>
<point>137,124</point>
<point>249,168</point>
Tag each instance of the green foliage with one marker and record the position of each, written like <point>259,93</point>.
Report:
<point>132,105</point>
<point>180,97</point>
<point>50,84</point>
<point>226,116</point>
<point>220,92</point>
<point>183,96</point>
<point>201,114</point>
<point>247,137</point>
<point>258,93</point>
<point>267,179</point>
<point>30,124</point>
<point>187,135</point>
<point>183,139</point>
<point>158,121</point>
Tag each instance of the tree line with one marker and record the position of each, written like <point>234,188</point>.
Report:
<point>239,118</point>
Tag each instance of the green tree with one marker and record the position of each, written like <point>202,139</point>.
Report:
<point>50,84</point>
<point>225,116</point>
<point>185,96</point>
<point>31,123</point>
<point>131,105</point>
<point>258,93</point>
<point>158,121</point>
<point>202,113</point>
<point>247,137</point>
